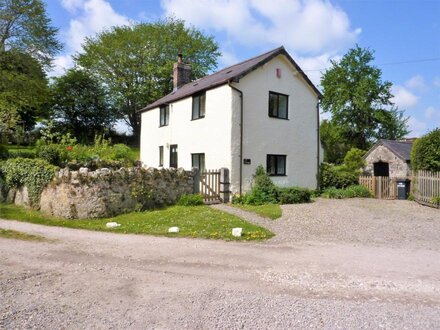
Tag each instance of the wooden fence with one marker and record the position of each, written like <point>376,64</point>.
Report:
<point>382,187</point>
<point>425,186</point>
<point>210,186</point>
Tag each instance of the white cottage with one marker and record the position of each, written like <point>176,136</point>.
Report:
<point>263,111</point>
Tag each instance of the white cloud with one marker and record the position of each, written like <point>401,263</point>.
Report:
<point>72,5</point>
<point>415,82</point>
<point>60,65</point>
<point>315,66</point>
<point>91,17</point>
<point>403,98</point>
<point>308,27</point>
<point>430,112</point>
<point>417,127</point>
<point>437,82</point>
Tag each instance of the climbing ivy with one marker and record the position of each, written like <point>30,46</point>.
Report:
<point>35,174</point>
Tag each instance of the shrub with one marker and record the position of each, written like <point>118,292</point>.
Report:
<point>337,176</point>
<point>4,153</point>
<point>190,200</point>
<point>425,152</point>
<point>293,195</point>
<point>349,192</point>
<point>35,174</point>
<point>436,200</point>
<point>51,154</point>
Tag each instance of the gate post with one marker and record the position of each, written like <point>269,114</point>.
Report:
<point>196,180</point>
<point>224,185</point>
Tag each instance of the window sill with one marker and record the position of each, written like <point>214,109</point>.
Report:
<point>192,119</point>
<point>163,126</point>
<point>277,174</point>
<point>275,117</point>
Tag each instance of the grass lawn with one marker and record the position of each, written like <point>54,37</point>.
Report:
<point>271,211</point>
<point>6,233</point>
<point>193,221</point>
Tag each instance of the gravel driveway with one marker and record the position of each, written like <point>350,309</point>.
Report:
<point>333,264</point>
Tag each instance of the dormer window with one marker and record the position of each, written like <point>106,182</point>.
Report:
<point>164,115</point>
<point>198,106</point>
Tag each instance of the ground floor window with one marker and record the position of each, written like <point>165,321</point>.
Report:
<point>173,155</point>
<point>198,160</point>
<point>276,164</point>
<point>161,156</point>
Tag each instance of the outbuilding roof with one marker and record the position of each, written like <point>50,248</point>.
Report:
<point>230,74</point>
<point>401,149</point>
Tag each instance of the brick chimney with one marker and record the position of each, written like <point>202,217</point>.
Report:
<point>181,73</point>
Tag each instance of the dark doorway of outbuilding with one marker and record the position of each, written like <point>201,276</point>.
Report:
<point>381,169</point>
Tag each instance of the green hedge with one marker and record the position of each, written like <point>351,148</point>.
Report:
<point>190,200</point>
<point>425,152</point>
<point>337,176</point>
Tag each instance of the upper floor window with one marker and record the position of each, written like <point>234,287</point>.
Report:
<point>164,115</point>
<point>278,104</point>
<point>198,106</point>
<point>276,164</point>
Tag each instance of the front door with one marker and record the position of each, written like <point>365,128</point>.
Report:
<point>173,155</point>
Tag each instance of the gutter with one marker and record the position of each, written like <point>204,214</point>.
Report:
<point>241,135</point>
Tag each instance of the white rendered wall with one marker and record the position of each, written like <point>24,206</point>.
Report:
<point>262,135</point>
<point>210,135</point>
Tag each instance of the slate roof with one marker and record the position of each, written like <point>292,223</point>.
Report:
<point>230,74</point>
<point>401,149</point>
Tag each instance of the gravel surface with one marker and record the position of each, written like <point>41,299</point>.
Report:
<point>326,268</point>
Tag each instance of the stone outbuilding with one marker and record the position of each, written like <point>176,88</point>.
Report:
<point>390,158</point>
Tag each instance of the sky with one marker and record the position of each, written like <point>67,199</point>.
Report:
<point>404,34</point>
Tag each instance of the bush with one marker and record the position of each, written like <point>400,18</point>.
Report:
<point>349,192</point>
<point>293,195</point>
<point>190,200</point>
<point>35,174</point>
<point>264,191</point>
<point>337,176</point>
<point>4,153</point>
<point>425,152</point>
<point>51,154</point>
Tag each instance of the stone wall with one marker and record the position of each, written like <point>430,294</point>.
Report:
<point>104,193</point>
<point>398,168</point>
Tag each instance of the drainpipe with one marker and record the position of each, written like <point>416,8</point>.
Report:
<point>318,143</point>
<point>241,136</point>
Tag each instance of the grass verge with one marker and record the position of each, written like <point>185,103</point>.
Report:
<point>13,234</point>
<point>271,211</point>
<point>194,221</point>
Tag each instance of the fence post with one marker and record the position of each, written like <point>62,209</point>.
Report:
<point>196,180</point>
<point>224,185</point>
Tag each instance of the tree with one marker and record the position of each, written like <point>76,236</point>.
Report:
<point>333,142</point>
<point>24,91</point>
<point>135,62</point>
<point>24,26</point>
<point>80,102</point>
<point>425,152</point>
<point>360,102</point>
<point>354,159</point>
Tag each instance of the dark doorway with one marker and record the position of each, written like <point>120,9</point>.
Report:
<point>173,155</point>
<point>381,169</point>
